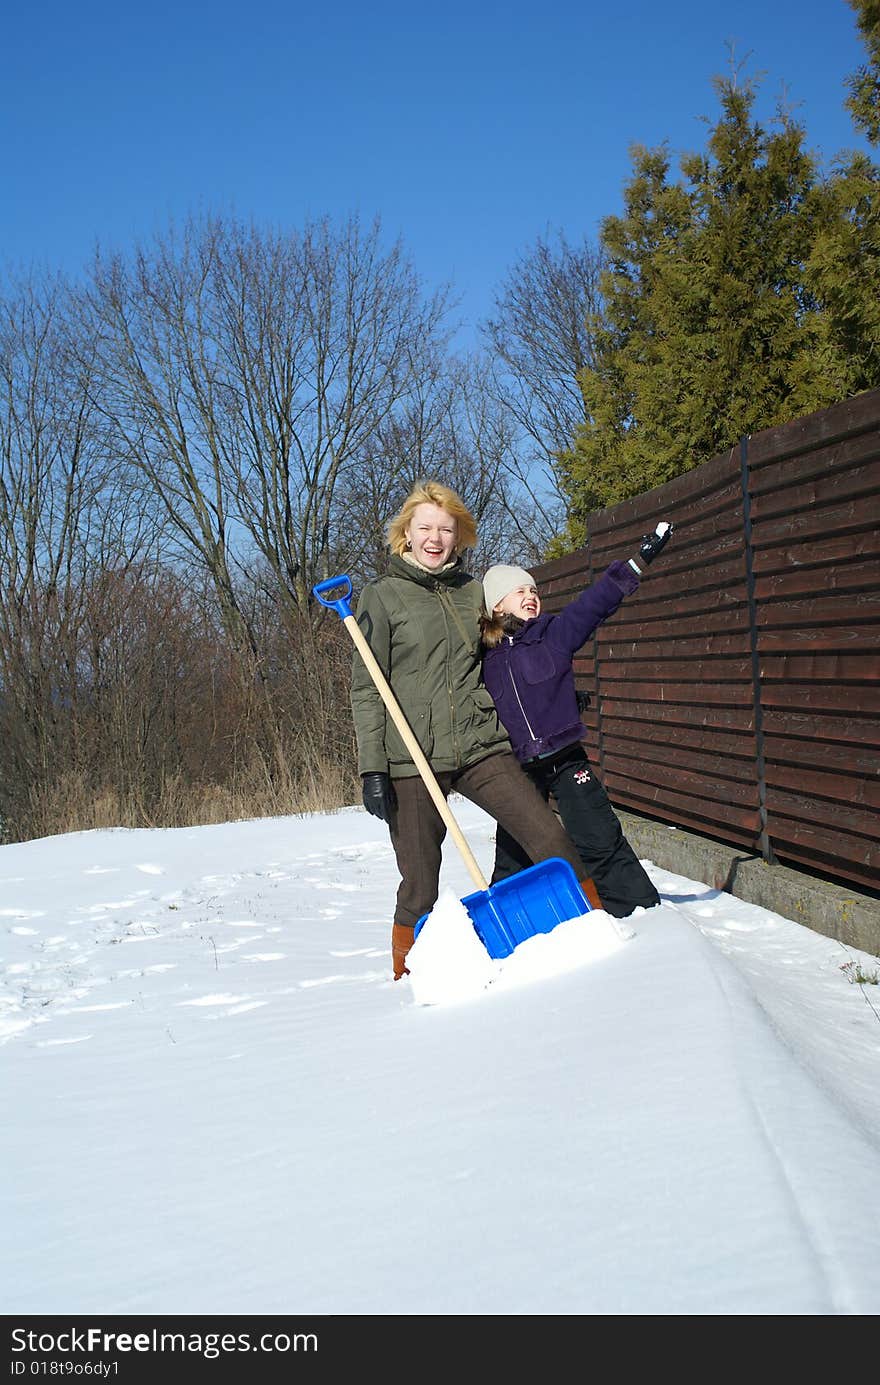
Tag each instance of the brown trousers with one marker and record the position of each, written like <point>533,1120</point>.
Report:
<point>499,786</point>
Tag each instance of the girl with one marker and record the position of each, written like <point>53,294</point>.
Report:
<point>527,667</point>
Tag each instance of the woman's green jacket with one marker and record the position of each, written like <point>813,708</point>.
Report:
<point>423,629</point>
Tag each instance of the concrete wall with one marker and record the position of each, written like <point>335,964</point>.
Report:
<point>833,910</point>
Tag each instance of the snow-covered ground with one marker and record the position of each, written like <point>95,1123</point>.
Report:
<point>217,1101</point>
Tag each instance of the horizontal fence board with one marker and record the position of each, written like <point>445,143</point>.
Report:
<point>823,697</point>
<point>855,875</point>
<point>839,668</point>
<point>744,838</point>
<point>832,730</point>
<point>655,714</point>
<point>846,817</point>
<point>829,838</point>
<point>832,459</point>
<point>677,764</point>
<point>858,761</point>
<point>689,616</point>
<point>816,581</point>
<point>731,694</point>
<point>665,670</point>
<point>798,529</point>
<point>702,788</point>
<point>669,646</point>
<point>844,637</point>
<point>850,609</point>
<point>822,552</point>
<point>710,812</point>
<point>850,483</point>
<point>661,738</point>
<point>837,787</point>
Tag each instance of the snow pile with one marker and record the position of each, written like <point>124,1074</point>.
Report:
<point>449,964</point>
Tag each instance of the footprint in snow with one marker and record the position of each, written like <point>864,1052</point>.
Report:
<point>110,904</point>
<point>360,952</point>
<point>88,1009</point>
<point>220,999</point>
<point>330,885</point>
<point>225,1004</point>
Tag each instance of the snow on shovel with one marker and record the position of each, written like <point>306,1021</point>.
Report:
<point>534,900</point>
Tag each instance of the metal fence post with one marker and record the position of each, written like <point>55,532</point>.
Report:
<point>763,836</point>
<point>600,739</point>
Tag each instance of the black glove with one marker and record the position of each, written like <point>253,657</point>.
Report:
<point>379,796</point>
<point>651,544</point>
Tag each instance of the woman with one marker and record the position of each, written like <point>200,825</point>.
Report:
<point>421,621</point>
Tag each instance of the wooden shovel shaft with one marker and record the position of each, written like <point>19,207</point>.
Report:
<point>415,751</point>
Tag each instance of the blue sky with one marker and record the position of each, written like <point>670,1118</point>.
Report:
<point>470,129</point>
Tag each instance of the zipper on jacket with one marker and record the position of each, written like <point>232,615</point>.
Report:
<point>447,606</point>
<point>509,639</point>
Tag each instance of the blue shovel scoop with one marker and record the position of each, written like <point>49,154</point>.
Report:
<point>532,901</point>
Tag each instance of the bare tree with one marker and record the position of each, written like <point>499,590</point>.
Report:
<point>244,373</point>
<point>452,429</point>
<point>64,507</point>
<point>540,339</point>
<point>343,344</point>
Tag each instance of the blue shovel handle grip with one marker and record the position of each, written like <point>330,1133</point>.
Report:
<point>340,604</point>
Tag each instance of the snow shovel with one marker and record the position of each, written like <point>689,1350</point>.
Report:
<point>532,901</point>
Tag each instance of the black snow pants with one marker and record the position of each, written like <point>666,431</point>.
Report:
<point>592,824</point>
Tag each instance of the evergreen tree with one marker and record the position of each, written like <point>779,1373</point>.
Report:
<point>844,265</point>
<point>710,332</point>
<point>864,85</point>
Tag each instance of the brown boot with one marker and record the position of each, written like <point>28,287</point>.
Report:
<point>589,888</point>
<point>402,939</point>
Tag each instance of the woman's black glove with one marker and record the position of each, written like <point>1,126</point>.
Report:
<point>379,796</point>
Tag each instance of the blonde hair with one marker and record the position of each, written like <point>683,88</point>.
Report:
<point>433,493</point>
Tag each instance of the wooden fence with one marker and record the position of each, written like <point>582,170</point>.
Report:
<point>736,693</point>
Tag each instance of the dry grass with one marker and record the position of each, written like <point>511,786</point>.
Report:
<point>72,805</point>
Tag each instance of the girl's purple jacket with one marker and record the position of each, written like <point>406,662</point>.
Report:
<point>530,673</point>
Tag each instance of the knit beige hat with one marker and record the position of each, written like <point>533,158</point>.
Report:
<point>501,580</point>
